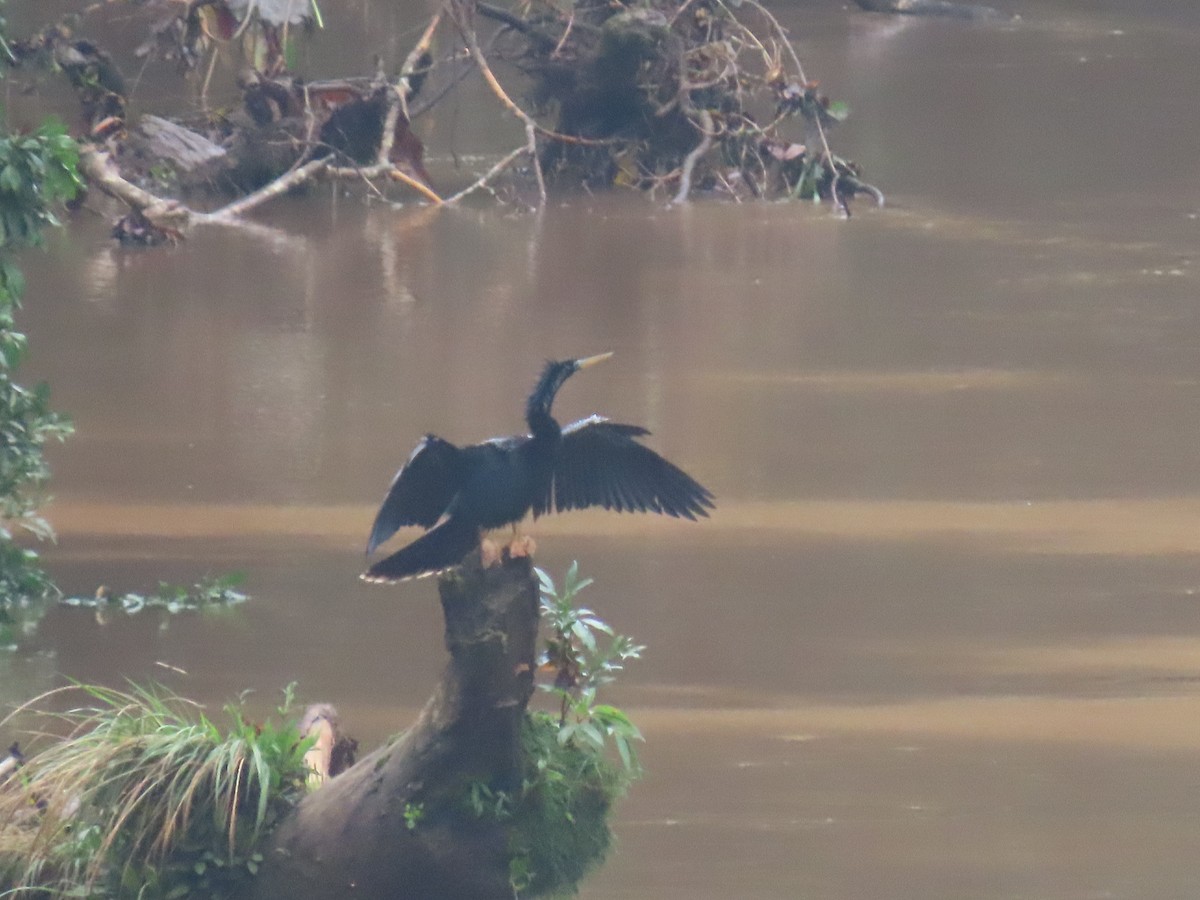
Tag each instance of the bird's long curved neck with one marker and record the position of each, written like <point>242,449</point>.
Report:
<point>537,407</point>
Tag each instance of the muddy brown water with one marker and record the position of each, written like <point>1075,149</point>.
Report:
<point>941,638</point>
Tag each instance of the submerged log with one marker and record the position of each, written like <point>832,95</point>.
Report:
<point>937,8</point>
<point>160,140</point>
<point>397,824</point>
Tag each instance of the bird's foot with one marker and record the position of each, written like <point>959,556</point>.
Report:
<point>489,553</point>
<point>521,546</point>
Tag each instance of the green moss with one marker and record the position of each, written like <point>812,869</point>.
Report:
<point>559,820</point>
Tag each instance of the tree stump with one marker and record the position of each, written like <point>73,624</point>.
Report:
<point>397,824</point>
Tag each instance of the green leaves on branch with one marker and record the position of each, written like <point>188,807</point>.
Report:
<point>585,654</point>
<point>37,171</point>
<point>26,424</point>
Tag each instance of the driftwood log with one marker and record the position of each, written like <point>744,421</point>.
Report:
<point>396,824</point>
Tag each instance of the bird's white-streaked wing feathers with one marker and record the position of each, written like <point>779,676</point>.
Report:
<point>421,490</point>
<point>601,463</point>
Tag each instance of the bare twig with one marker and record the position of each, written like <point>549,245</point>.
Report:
<point>779,30</point>
<point>697,153</point>
<point>422,45</point>
<point>385,169</point>
<point>487,176</point>
<point>531,146</point>
<point>566,33</point>
<point>414,59</point>
<point>423,189</point>
<point>100,170</point>
<point>531,126</point>
<point>395,103</point>
<point>516,23</point>
<point>208,74</point>
<point>781,33</point>
<point>489,77</point>
<point>468,34</point>
<point>397,98</point>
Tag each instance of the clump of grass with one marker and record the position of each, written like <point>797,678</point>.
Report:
<point>138,793</point>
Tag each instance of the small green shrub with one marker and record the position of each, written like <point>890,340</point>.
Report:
<point>576,761</point>
<point>585,654</point>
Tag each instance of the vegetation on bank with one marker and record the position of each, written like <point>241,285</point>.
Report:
<point>144,796</point>
<point>38,172</point>
<point>137,793</point>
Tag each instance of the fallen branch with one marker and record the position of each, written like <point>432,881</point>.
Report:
<point>670,96</point>
<point>281,185</point>
<point>100,170</point>
<point>395,109</point>
<point>174,216</point>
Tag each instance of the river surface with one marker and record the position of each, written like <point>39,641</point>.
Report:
<point>941,637</point>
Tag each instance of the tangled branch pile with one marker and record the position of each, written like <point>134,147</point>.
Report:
<point>671,97</point>
<point>674,95</point>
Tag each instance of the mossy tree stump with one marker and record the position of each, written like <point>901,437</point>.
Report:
<point>398,824</point>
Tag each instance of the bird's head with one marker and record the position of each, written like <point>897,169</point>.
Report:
<point>553,377</point>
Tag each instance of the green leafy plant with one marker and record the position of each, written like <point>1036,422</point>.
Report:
<point>585,654</point>
<point>146,797</point>
<point>413,814</point>
<point>576,761</point>
<point>37,171</point>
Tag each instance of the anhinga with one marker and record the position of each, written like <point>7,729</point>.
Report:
<point>458,492</point>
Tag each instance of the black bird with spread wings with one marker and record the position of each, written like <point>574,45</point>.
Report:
<point>458,492</point>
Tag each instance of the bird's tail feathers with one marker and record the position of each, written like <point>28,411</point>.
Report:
<point>438,549</point>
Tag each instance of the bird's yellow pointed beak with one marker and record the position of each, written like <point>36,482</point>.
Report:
<point>592,360</point>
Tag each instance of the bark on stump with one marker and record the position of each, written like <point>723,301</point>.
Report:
<point>352,837</point>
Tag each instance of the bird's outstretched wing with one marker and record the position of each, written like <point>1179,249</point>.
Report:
<point>421,490</point>
<point>444,546</point>
<point>600,463</point>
